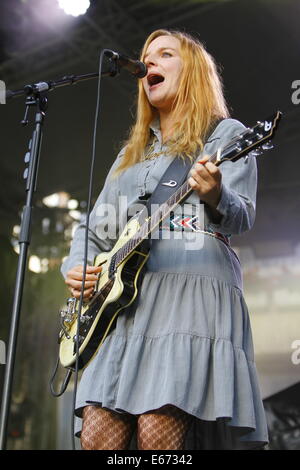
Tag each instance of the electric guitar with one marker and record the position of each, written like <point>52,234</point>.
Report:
<point>116,287</point>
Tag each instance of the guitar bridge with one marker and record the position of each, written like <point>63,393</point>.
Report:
<point>68,315</point>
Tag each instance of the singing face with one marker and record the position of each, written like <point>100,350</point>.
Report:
<point>164,65</point>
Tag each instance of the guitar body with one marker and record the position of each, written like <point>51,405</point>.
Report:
<point>113,294</point>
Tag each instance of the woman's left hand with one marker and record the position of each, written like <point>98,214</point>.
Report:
<point>206,178</point>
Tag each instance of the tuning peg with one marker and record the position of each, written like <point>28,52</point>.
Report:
<point>268,145</point>
<point>256,152</point>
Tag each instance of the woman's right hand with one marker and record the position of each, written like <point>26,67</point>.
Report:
<point>74,280</point>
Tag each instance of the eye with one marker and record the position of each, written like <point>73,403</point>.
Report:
<point>166,54</point>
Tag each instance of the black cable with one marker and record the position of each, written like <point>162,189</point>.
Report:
<point>64,384</point>
<point>91,176</point>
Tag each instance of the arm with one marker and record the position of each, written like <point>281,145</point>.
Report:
<point>229,190</point>
<point>104,216</point>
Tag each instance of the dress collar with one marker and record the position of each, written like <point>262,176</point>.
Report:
<point>155,127</point>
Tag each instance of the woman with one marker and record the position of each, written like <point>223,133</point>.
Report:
<point>180,360</point>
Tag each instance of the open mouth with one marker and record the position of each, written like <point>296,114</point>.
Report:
<point>154,79</point>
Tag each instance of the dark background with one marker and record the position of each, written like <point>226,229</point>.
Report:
<point>257,44</point>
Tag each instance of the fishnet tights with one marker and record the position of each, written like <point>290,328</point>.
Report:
<point>161,429</point>
<point>104,429</point>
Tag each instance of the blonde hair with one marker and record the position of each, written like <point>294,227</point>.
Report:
<point>199,102</point>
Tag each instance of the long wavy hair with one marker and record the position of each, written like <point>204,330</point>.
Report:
<point>199,103</point>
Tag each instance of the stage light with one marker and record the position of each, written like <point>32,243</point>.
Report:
<point>72,204</point>
<point>60,199</point>
<point>16,230</point>
<point>35,264</point>
<point>76,215</point>
<point>74,7</point>
<point>52,200</point>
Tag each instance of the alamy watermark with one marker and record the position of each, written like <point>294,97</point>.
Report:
<point>296,354</point>
<point>296,93</point>
<point>2,92</point>
<point>2,352</point>
<point>185,223</point>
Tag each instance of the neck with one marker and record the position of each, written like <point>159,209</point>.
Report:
<point>167,122</point>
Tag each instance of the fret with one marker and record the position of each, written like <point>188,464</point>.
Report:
<point>184,189</point>
<point>179,193</point>
<point>129,246</point>
<point>143,231</point>
<point>118,257</point>
<point>132,244</point>
<point>121,254</point>
<point>126,250</point>
<point>172,199</point>
<point>137,241</point>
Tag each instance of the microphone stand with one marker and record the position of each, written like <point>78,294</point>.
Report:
<point>36,95</point>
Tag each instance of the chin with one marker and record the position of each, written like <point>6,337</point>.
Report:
<point>159,104</point>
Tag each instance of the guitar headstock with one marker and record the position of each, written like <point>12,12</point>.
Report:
<point>254,140</point>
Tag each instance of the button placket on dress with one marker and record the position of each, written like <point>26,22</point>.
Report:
<point>145,167</point>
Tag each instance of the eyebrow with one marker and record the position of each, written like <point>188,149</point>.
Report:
<point>160,50</point>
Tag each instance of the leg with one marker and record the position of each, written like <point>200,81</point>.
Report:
<point>105,429</point>
<point>163,429</point>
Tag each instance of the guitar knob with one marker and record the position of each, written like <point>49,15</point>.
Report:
<point>256,152</point>
<point>85,318</point>
<point>63,313</point>
<point>81,338</point>
<point>268,145</point>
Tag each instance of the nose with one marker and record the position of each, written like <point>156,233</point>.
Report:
<point>150,60</point>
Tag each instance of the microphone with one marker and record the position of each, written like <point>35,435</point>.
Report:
<point>135,67</point>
